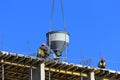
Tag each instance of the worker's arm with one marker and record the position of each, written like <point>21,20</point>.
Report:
<point>46,50</point>
<point>99,64</point>
<point>43,48</point>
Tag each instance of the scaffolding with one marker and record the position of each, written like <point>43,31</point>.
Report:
<point>19,67</point>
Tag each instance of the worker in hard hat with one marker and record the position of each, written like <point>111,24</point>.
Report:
<point>102,63</point>
<point>43,51</point>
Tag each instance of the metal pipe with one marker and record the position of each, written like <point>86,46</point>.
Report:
<point>3,70</point>
<point>81,77</point>
<point>49,75</point>
<point>31,71</point>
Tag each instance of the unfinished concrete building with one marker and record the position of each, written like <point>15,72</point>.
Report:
<point>19,67</point>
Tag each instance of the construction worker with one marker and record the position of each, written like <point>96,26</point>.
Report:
<point>102,63</point>
<point>43,51</point>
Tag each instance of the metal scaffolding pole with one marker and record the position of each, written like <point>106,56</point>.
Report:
<point>81,78</point>
<point>31,74</point>
<point>49,75</point>
<point>3,70</point>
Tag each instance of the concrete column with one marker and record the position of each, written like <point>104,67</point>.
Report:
<point>42,71</point>
<point>39,73</point>
<point>92,76</point>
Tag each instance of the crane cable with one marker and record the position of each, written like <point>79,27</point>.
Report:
<point>63,17</point>
<point>52,12</point>
<point>51,16</point>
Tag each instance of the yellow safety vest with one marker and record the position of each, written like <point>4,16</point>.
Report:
<point>40,52</point>
<point>102,64</point>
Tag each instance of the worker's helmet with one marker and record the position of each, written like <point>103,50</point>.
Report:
<point>103,59</point>
<point>43,44</point>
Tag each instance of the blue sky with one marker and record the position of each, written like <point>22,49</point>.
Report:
<point>93,25</point>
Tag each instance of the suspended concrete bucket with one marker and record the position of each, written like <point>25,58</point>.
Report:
<point>57,41</point>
